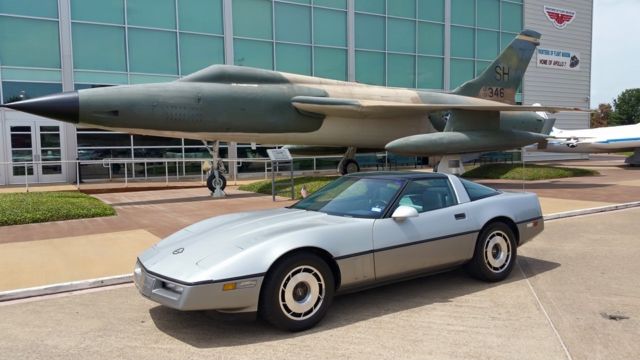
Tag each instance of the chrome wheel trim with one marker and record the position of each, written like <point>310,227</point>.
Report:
<point>497,251</point>
<point>301,293</point>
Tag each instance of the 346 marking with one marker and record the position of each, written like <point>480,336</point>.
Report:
<point>493,92</point>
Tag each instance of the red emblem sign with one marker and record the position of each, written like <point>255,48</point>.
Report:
<point>559,17</point>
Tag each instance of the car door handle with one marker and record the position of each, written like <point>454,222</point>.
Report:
<point>460,216</point>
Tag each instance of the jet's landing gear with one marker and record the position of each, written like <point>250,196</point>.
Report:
<point>633,160</point>
<point>216,182</point>
<point>348,164</point>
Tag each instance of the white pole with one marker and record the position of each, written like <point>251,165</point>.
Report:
<point>26,177</point>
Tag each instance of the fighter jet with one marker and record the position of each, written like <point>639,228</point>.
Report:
<point>247,105</point>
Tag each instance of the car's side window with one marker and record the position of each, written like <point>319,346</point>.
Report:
<point>477,191</point>
<point>427,195</point>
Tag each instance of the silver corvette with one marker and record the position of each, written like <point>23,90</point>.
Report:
<point>358,231</point>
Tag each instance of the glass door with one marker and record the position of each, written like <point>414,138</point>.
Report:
<point>36,151</point>
<point>49,154</point>
<point>22,140</point>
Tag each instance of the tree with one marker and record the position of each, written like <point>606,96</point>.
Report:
<point>627,107</point>
<point>602,116</point>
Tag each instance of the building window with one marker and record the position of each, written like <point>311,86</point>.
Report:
<point>489,14</point>
<point>371,6</point>
<point>152,51</point>
<point>253,53</point>
<point>431,10</point>
<point>293,23</point>
<point>462,42</point>
<point>163,15</point>
<point>202,16</point>
<point>199,51</point>
<point>330,27</point>
<point>370,32</point>
<point>401,70</point>
<point>37,8</point>
<point>16,91</point>
<point>488,44</point>
<point>430,72</point>
<point>461,71</point>
<point>370,67</point>
<point>253,19</point>
<point>401,35</point>
<point>511,17</point>
<point>101,11</point>
<point>430,39</point>
<point>463,12</point>
<point>89,42</point>
<point>29,42</point>
<point>330,63</point>
<point>293,58</point>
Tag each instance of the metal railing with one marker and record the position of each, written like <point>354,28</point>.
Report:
<point>170,169</point>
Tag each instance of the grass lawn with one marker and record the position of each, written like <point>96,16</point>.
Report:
<point>36,207</point>
<point>531,172</point>
<point>312,184</point>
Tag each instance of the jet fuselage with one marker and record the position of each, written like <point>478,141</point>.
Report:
<point>260,111</point>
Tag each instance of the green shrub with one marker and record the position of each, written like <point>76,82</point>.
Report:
<point>530,172</point>
<point>37,207</point>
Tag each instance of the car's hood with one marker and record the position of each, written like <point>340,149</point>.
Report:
<point>184,254</point>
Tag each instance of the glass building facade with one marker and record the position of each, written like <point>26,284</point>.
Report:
<point>47,46</point>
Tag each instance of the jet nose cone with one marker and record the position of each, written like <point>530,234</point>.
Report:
<point>63,106</point>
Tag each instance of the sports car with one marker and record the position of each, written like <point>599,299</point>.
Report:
<point>358,231</point>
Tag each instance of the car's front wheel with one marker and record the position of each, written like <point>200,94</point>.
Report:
<point>297,292</point>
<point>495,253</point>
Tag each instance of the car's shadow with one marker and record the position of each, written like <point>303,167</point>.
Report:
<point>211,330</point>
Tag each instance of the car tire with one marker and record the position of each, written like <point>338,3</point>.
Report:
<point>297,292</point>
<point>495,253</point>
<point>211,182</point>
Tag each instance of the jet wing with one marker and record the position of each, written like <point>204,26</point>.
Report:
<point>384,109</point>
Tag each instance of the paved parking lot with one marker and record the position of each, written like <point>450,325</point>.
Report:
<point>561,302</point>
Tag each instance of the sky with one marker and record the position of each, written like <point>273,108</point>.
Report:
<point>616,49</point>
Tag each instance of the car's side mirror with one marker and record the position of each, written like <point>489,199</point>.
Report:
<point>404,212</point>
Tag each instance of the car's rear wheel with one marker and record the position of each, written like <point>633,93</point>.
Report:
<point>297,292</point>
<point>495,253</point>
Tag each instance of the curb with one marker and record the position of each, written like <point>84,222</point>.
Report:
<point>596,210</point>
<point>64,287</point>
<point>124,279</point>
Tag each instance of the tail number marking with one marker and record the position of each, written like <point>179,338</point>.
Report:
<point>492,92</point>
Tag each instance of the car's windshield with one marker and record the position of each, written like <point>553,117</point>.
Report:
<point>352,196</point>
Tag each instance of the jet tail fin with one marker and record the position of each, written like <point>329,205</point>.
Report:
<point>500,80</point>
<point>549,126</point>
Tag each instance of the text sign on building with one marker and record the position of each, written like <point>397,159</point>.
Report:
<point>559,17</point>
<point>279,154</point>
<point>558,59</point>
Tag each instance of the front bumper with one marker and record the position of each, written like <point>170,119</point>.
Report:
<point>199,296</point>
